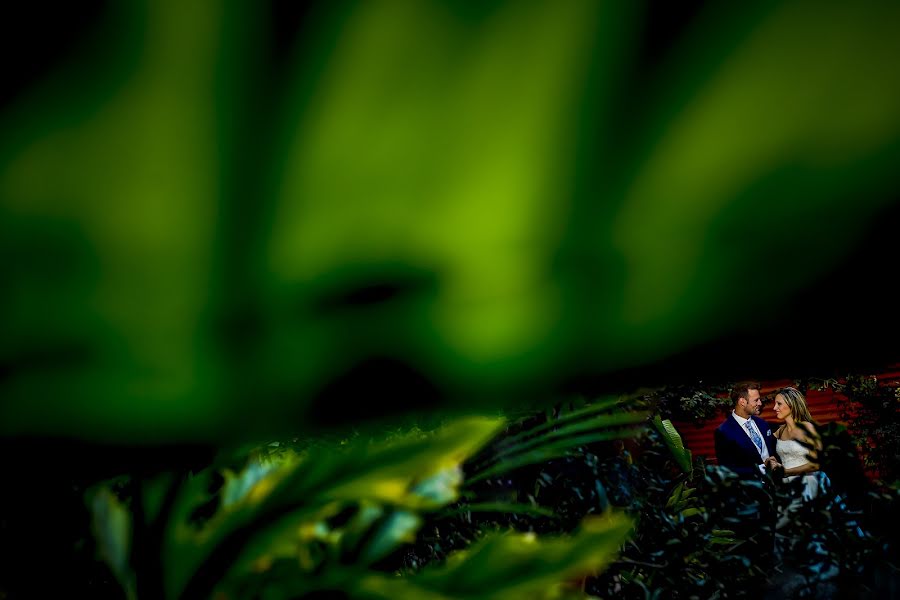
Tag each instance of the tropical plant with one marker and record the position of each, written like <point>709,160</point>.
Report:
<point>872,413</point>
<point>693,403</point>
<point>682,545</point>
<point>691,537</point>
<point>291,525</point>
<point>542,475</point>
<point>562,432</point>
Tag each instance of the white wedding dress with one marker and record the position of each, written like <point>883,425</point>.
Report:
<point>816,483</point>
<point>793,454</point>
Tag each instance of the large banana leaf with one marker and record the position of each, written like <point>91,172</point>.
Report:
<point>674,443</point>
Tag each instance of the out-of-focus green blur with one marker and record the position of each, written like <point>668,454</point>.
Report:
<point>427,206</point>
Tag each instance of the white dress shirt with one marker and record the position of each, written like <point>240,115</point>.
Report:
<point>764,453</point>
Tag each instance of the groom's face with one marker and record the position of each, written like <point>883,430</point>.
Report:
<point>754,403</point>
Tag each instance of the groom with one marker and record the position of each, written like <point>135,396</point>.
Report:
<point>744,442</point>
<point>745,445</point>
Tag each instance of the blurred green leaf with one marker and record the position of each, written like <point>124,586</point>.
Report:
<point>237,486</point>
<point>111,524</point>
<point>438,199</point>
<point>128,218</point>
<point>809,92</point>
<point>398,528</point>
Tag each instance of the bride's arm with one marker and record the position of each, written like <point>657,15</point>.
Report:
<point>804,468</point>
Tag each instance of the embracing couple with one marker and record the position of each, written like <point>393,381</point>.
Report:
<point>763,457</point>
<point>747,445</point>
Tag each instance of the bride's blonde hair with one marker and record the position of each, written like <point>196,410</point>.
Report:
<point>797,403</point>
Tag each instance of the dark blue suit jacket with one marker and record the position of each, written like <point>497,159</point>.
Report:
<point>735,450</point>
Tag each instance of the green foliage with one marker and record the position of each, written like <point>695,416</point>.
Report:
<point>692,403</point>
<point>874,421</point>
<point>519,565</point>
<point>698,533</point>
<point>672,439</point>
<point>112,529</point>
<point>681,522</point>
<point>558,436</point>
<point>328,518</point>
<point>408,475</point>
<point>438,206</point>
<point>714,535</point>
<point>222,530</point>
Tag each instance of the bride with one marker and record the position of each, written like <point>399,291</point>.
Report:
<point>799,460</point>
<point>798,444</point>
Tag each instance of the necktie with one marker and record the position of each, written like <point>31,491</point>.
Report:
<point>754,436</point>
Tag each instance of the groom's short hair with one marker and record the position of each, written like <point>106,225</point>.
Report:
<point>742,390</point>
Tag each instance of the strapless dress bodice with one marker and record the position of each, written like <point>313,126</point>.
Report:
<point>792,453</point>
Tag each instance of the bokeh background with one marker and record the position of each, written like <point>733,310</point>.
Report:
<point>226,221</point>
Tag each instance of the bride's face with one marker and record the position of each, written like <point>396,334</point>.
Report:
<point>781,409</point>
